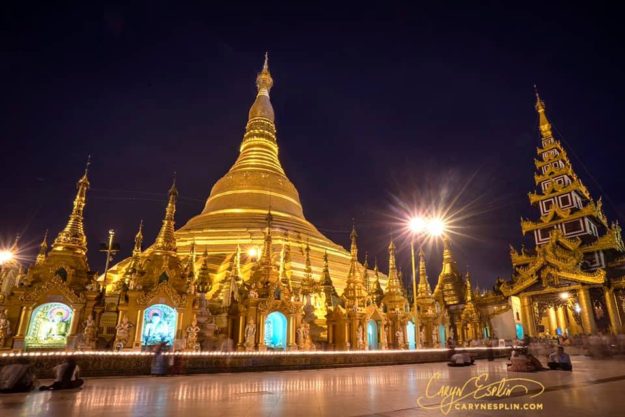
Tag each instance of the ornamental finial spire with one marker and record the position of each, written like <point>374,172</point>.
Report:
<point>138,240</point>
<point>543,122</point>
<point>354,246</point>
<point>72,238</point>
<point>264,82</point>
<point>166,241</point>
<point>43,249</point>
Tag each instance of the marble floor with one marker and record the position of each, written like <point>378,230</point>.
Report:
<point>595,388</point>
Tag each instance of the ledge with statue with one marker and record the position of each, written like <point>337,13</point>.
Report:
<point>127,363</point>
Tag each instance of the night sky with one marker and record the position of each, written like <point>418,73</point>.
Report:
<point>425,105</point>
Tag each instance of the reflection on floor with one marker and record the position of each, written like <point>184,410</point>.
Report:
<point>595,388</point>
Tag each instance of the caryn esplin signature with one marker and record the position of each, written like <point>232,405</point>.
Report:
<point>476,388</point>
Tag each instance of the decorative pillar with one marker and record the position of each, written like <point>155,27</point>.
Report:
<point>527,316</point>
<point>573,327</point>
<point>588,320</point>
<point>261,330</point>
<point>615,320</point>
<point>290,332</point>
<point>553,321</point>
<point>241,333</point>
<point>562,320</point>
<point>138,331</point>
<point>24,319</point>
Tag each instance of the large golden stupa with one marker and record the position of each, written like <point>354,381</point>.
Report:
<point>235,213</point>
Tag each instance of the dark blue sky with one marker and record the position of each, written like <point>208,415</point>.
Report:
<point>373,106</point>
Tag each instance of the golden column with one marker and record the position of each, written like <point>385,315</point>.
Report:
<point>553,321</point>
<point>616,326</point>
<point>588,320</point>
<point>527,316</point>
<point>562,319</point>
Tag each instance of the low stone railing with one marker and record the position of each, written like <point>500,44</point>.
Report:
<point>106,363</point>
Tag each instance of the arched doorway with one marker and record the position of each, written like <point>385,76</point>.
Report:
<point>159,325</point>
<point>410,332</point>
<point>372,335</point>
<point>49,326</point>
<point>275,331</point>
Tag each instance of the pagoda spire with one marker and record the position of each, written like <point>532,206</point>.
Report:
<point>543,122</point>
<point>259,149</point>
<point>43,250</point>
<point>469,289</point>
<point>137,249</point>
<point>394,295</point>
<point>354,246</point>
<point>166,240</point>
<point>450,285</point>
<point>424,289</point>
<point>72,238</point>
<point>266,255</point>
<point>307,282</point>
<point>203,282</point>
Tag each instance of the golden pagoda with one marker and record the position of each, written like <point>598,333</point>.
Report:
<point>572,281</point>
<point>234,214</point>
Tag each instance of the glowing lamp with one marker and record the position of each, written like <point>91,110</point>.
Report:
<point>436,227</point>
<point>564,295</point>
<point>577,308</point>
<point>6,256</point>
<point>252,252</point>
<point>417,224</point>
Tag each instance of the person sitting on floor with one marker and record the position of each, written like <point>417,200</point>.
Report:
<point>17,377</point>
<point>460,359</point>
<point>66,376</point>
<point>560,360</point>
<point>523,361</point>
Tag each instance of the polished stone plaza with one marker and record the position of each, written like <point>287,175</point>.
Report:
<point>595,388</point>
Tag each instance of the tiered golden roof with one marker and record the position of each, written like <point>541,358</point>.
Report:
<point>235,210</point>
<point>394,298</point>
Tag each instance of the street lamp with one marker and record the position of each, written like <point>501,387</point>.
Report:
<point>6,256</point>
<point>432,227</point>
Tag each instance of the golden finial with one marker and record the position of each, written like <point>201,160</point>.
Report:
<point>72,238</point>
<point>543,122</point>
<point>138,240</point>
<point>43,249</point>
<point>264,82</point>
<point>353,236</point>
<point>166,240</point>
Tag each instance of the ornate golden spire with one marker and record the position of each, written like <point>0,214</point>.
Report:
<point>354,246</point>
<point>72,238</point>
<point>43,250</point>
<point>469,289</point>
<point>138,240</point>
<point>450,284</point>
<point>543,123</point>
<point>326,279</point>
<point>266,255</point>
<point>166,241</point>
<point>203,277</point>
<point>424,289</point>
<point>394,296</point>
<point>307,282</point>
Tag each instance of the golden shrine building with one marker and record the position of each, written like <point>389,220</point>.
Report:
<point>250,273</point>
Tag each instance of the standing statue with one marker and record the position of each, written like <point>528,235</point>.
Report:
<point>250,334</point>
<point>359,337</point>
<point>400,339</point>
<point>122,334</point>
<point>192,344</point>
<point>5,327</point>
<point>89,333</point>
